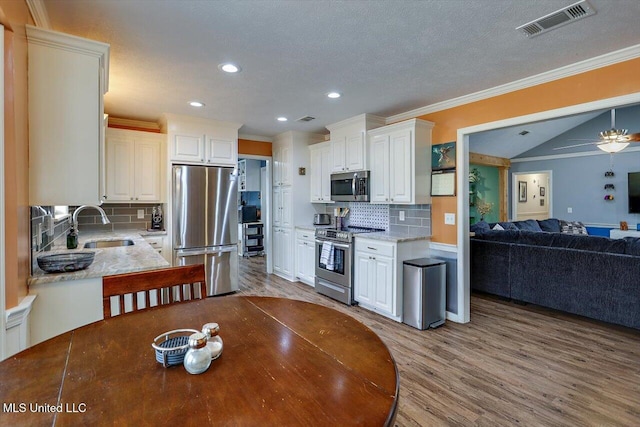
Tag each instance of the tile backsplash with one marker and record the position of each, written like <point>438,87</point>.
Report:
<point>123,216</point>
<point>417,217</point>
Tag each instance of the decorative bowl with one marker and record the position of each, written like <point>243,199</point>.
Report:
<point>67,262</point>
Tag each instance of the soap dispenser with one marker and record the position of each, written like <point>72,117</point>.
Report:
<point>72,238</point>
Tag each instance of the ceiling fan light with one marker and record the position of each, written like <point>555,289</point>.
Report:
<point>613,147</point>
<point>613,134</point>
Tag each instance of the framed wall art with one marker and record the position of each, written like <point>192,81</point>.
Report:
<point>443,156</point>
<point>522,191</point>
<point>443,183</point>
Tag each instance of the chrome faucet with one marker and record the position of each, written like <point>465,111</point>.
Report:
<point>105,220</point>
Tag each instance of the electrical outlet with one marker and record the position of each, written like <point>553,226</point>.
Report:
<point>140,213</point>
<point>450,219</point>
<point>401,214</point>
<point>569,210</point>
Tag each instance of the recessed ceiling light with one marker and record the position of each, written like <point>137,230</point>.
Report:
<point>282,119</point>
<point>196,104</point>
<point>229,68</point>
<point>334,95</point>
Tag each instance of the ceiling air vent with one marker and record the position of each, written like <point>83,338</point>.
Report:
<point>569,14</point>
<point>305,119</point>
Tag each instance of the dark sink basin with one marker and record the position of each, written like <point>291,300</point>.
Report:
<point>108,243</point>
<point>64,263</point>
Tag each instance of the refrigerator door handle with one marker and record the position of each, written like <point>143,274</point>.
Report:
<point>208,251</point>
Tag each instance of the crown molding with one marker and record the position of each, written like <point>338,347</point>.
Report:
<point>39,13</point>
<point>369,120</point>
<point>607,59</point>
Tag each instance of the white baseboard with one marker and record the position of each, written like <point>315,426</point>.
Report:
<point>17,324</point>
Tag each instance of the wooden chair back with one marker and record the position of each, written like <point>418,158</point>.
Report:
<point>175,279</point>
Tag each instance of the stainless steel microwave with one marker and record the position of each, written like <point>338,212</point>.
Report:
<point>350,187</point>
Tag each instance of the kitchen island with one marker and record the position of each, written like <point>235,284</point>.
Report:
<point>65,301</point>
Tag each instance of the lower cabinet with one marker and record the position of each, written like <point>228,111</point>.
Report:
<point>378,271</point>
<point>62,306</point>
<point>305,257</point>
<point>282,253</point>
<point>159,244</point>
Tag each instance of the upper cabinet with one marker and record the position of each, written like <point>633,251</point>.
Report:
<point>201,141</point>
<point>281,152</point>
<point>320,163</point>
<point>400,157</point>
<point>348,142</point>
<point>134,166</point>
<point>68,77</point>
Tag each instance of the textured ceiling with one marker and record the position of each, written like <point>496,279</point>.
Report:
<point>386,57</point>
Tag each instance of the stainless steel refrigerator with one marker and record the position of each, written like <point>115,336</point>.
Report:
<point>205,223</point>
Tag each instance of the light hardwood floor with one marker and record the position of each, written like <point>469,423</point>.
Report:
<point>511,365</point>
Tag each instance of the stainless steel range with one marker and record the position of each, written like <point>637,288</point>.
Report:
<point>334,262</point>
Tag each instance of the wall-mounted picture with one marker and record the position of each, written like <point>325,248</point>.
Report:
<point>443,156</point>
<point>541,191</point>
<point>522,191</point>
<point>541,202</point>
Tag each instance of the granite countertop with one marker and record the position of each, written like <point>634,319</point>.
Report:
<point>107,261</point>
<point>393,236</point>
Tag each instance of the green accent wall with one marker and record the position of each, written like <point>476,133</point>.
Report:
<point>487,189</point>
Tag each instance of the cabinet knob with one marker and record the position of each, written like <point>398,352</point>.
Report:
<point>130,198</point>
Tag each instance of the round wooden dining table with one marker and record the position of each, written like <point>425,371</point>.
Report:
<point>284,362</point>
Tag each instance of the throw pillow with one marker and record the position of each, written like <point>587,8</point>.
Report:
<point>551,225</point>
<point>528,225</point>
<point>498,227</point>
<point>573,227</point>
<point>479,227</point>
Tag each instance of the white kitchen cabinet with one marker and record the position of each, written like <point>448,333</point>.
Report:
<point>320,159</point>
<point>305,256</point>
<point>348,142</point>
<point>68,77</point>
<point>400,163</point>
<point>134,166</point>
<point>160,245</point>
<point>282,207</point>
<point>283,257</point>
<point>63,306</point>
<point>201,141</point>
<point>283,166</point>
<point>378,273</point>
<point>291,205</point>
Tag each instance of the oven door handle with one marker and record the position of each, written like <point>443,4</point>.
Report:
<point>337,245</point>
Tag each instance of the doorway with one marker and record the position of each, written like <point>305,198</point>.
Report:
<point>462,184</point>
<point>257,192</point>
<point>531,196</point>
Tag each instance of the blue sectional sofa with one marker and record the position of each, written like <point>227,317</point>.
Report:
<point>592,276</point>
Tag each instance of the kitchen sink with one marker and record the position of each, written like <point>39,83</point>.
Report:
<point>108,243</point>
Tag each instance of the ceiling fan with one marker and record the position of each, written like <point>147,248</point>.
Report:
<point>612,140</point>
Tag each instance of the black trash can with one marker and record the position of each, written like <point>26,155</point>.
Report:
<point>424,292</point>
